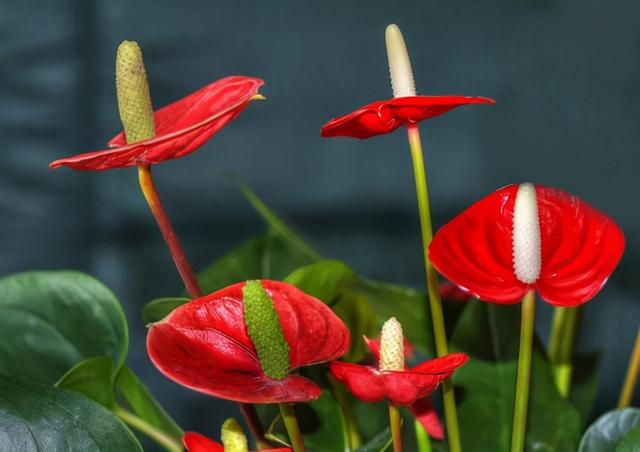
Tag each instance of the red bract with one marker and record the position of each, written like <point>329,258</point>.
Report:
<point>578,246</point>
<point>181,127</point>
<point>385,116</point>
<point>204,345</point>
<point>195,442</point>
<point>401,387</point>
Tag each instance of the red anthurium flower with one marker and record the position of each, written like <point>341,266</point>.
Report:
<point>392,380</point>
<point>524,236</point>
<point>181,127</point>
<point>233,438</point>
<point>385,116</point>
<point>211,346</point>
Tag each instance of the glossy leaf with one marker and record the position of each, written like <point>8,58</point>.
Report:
<point>608,431</point>
<point>487,386</point>
<point>379,443</point>
<point>93,378</point>
<point>53,320</point>
<point>40,418</point>
<point>132,393</point>
<point>631,441</point>
<point>159,308</point>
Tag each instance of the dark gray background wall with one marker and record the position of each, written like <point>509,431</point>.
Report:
<point>565,73</point>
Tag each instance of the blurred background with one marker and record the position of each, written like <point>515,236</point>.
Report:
<point>565,74</point>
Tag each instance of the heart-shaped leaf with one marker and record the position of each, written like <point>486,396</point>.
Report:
<point>35,417</point>
<point>53,320</point>
<point>607,432</point>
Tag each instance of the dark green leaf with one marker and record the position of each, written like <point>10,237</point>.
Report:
<point>41,418</point>
<point>487,384</point>
<point>324,280</point>
<point>408,305</point>
<point>93,378</point>
<point>324,429</point>
<point>607,432</point>
<point>133,393</point>
<point>51,321</point>
<point>378,443</point>
<point>159,308</point>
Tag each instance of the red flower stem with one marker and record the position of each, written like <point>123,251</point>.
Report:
<point>561,346</point>
<point>433,284</point>
<point>293,429</point>
<point>188,277</point>
<point>632,375</point>
<point>169,235</point>
<point>523,378</point>
<point>396,427</point>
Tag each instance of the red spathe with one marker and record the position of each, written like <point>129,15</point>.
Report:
<point>204,345</point>
<point>580,248</point>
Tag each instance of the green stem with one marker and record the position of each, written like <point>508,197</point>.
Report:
<point>346,406</point>
<point>527,320</point>
<point>422,437</point>
<point>561,346</point>
<point>158,436</point>
<point>632,375</point>
<point>396,427</point>
<point>293,429</point>
<point>433,284</point>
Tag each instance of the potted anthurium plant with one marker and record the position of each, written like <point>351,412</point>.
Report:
<point>317,357</point>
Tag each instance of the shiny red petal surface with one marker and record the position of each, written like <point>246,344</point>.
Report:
<point>474,250</point>
<point>195,442</point>
<point>385,116</point>
<point>363,382</point>
<point>404,388</point>
<point>581,247</point>
<point>443,366</point>
<point>424,412</point>
<point>181,127</point>
<point>204,345</point>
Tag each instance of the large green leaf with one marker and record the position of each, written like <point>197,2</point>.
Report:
<point>631,441</point>
<point>487,384</point>
<point>37,418</point>
<point>50,321</point>
<point>607,432</point>
<point>94,379</point>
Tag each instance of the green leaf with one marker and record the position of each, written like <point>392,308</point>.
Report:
<point>608,431</point>
<point>631,441</point>
<point>92,378</point>
<point>131,392</point>
<point>53,320</point>
<point>35,417</point>
<point>487,384</point>
<point>379,443</point>
<point>324,280</point>
<point>159,308</point>
<point>324,430</point>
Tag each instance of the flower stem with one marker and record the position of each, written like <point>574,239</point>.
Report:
<point>433,284</point>
<point>561,346</point>
<point>169,235</point>
<point>422,437</point>
<point>160,437</point>
<point>291,424</point>
<point>255,426</point>
<point>632,375</point>
<point>527,320</point>
<point>396,427</point>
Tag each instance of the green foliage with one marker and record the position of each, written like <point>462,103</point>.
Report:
<point>263,327</point>
<point>52,320</point>
<point>584,383</point>
<point>615,431</point>
<point>158,309</point>
<point>36,417</point>
<point>487,384</point>
<point>379,443</point>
